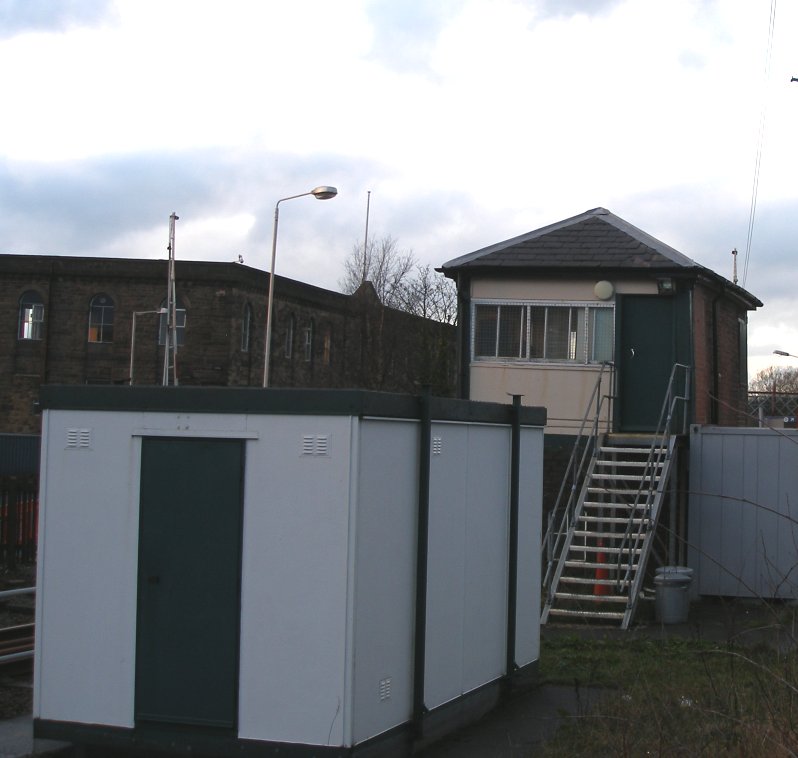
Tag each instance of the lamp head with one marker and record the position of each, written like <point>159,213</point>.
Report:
<point>780,352</point>
<point>324,193</point>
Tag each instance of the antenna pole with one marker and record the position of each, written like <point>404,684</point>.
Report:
<point>734,267</point>
<point>366,238</point>
<point>170,348</point>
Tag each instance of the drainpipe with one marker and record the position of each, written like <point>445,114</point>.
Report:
<point>422,549</point>
<point>512,578</point>
<point>714,405</point>
<point>464,328</point>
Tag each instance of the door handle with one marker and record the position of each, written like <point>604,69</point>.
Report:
<point>153,580</point>
<point>632,351</point>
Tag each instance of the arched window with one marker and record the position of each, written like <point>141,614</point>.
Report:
<point>101,319</point>
<point>246,326</point>
<point>180,323</point>
<point>327,346</point>
<point>31,316</point>
<point>307,342</point>
<point>289,336</point>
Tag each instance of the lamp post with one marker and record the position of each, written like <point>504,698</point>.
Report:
<point>160,311</point>
<point>320,193</point>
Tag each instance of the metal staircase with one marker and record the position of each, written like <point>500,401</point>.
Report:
<point>601,566</point>
<point>597,554</point>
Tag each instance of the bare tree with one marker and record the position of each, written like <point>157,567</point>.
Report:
<point>400,282</point>
<point>384,265</point>
<point>430,295</point>
<point>775,379</point>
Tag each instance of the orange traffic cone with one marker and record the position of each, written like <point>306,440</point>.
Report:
<point>601,573</point>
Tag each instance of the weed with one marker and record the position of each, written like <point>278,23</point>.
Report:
<point>676,697</point>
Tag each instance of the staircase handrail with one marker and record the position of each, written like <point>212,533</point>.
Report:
<point>553,539</point>
<point>647,489</point>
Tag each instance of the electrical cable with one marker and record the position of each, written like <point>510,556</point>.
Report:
<point>758,162</point>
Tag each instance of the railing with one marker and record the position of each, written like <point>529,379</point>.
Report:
<point>16,642</point>
<point>584,448</point>
<point>648,487</point>
<point>19,506</point>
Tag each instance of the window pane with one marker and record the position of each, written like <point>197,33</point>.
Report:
<point>512,331</point>
<point>537,332</point>
<point>602,338</point>
<point>485,317</point>
<point>31,317</point>
<point>558,334</point>
<point>101,319</point>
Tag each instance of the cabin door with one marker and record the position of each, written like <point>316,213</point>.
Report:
<point>189,581</point>
<point>645,357</point>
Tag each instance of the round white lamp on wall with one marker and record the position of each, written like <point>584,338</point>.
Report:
<point>603,290</point>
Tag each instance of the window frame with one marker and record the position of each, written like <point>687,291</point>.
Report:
<point>536,348</point>
<point>31,315</point>
<point>104,328</point>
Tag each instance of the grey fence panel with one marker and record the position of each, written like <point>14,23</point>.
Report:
<point>743,515</point>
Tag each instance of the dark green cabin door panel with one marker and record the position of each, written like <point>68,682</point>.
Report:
<point>189,581</point>
<point>646,354</point>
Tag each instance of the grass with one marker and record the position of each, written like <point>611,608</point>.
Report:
<point>675,697</point>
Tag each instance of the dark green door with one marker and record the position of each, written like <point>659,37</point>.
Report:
<point>189,581</point>
<point>646,354</point>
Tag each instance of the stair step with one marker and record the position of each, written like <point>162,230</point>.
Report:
<point>604,549</point>
<point>586,614</point>
<point>627,464</point>
<point>591,598</point>
<point>623,477</point>
<point>614,520</point>
<point>587,580</point>
<point>593,565</point>
<point>613,491</point>
<point>632,450</point>
<point>607,504</point>
<point>602,535</point>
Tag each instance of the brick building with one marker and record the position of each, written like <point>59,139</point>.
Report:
<point>69,320</point>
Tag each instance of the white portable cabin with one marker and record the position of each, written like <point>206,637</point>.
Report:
<point>293,572</point>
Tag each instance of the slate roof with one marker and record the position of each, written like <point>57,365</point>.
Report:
<point>596,239</point>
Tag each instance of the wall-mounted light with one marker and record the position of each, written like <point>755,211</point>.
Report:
<point>603,290</point>
<point>665,286</point>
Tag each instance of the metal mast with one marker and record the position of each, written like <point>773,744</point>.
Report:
<point>170,343</point>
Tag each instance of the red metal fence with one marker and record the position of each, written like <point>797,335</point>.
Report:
<point>19,512</point>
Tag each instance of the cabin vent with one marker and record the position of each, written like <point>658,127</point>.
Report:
<point>385,689</point>
<point>437,445</point>
<point>315,444</point>
<point>78,438</point>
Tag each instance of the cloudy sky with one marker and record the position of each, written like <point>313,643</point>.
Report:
<point>470,121</point>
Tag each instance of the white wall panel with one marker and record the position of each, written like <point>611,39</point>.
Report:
<point>446,589</point>
<point>385,580</point>
<point>88,553</point>
<point>294,581</point>
<point>743,511</point>
<point>487,535</point>
<point>527,639</point>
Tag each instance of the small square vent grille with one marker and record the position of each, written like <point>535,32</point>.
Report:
<point>385,689</point>
<point>315,444</point>
<point>78,438</point>
<point>437,445</point>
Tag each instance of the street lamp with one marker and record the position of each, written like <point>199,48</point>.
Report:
<point>784,353</point>
<point>320,193</point>
<point>160,311</point>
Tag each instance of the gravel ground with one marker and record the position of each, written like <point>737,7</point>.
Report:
<point>16,686</point>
